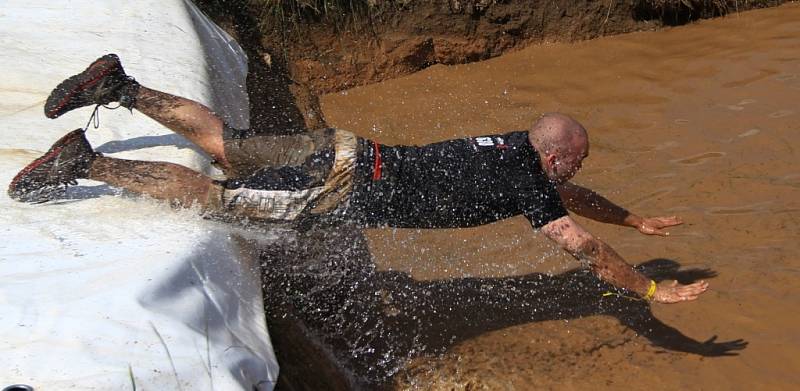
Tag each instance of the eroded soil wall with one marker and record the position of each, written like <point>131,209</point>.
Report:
<point>294,60</point>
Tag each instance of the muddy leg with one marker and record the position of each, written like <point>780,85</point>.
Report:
<point>181,186</point>
<point>186,117</point>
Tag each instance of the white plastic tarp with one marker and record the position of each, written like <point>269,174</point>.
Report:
<point>102,290</point>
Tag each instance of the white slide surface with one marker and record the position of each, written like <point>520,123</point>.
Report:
<point>102,290</point>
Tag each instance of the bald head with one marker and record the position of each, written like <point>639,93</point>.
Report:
<point>562,143</point>
<point>554,131</point>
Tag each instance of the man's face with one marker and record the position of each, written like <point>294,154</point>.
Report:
<point>564,164</point>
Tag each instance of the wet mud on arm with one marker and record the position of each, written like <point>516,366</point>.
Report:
<point>600,257</point>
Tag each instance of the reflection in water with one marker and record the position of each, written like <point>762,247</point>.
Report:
<point>750,132</point>
<point>762,207</point>
<point>698,159</point>
<point>781,113</point>
<point>373,322</point>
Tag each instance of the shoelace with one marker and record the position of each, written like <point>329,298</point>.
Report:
<point>103,90</point>
<point>94,119</point>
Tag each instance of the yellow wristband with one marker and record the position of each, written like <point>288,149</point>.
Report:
<point>650,291</point>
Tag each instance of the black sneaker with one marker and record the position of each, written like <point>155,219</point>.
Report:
<point>46,178</point>
<point>103,82</point>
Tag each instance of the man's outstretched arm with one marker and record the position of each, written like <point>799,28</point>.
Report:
<point>589,204</point>
<point>611,268</point>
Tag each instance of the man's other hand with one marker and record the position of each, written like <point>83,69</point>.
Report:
<point>656,225</point>
<point>675,293</point>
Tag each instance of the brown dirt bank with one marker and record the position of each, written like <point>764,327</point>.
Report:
<point>386,39</point>
<point>295,59</point>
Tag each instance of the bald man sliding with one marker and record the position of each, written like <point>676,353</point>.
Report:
<point>332,173</point>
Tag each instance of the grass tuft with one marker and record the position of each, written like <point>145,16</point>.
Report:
<point>717,7</point>
<point>283,14</point>
<point>133,380</point>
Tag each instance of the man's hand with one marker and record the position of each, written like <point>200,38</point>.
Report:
<point>675,293</point>
<point>655,225</point>
<point>589,204</point>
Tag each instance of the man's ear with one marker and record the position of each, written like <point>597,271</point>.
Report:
<point>551,160</point>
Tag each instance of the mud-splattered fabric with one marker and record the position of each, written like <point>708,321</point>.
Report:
<point>456,183</point>
<point>281,178</point>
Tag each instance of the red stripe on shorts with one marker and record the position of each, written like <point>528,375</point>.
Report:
<point>376,170</point>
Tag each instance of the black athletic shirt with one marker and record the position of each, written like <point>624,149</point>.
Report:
<point>456,183</point>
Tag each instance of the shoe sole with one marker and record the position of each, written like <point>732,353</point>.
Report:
<point>72,85</point>
<point>61,143</point>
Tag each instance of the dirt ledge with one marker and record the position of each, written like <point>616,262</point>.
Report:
<point>292,62</point>
<point>409,36</point>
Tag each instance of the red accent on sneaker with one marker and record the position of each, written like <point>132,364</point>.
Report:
<point>81,86</point>
<point>38,162</point>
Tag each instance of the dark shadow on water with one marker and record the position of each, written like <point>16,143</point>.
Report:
<point>365,324</point>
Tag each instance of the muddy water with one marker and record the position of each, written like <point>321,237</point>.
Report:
<point>698,121</point>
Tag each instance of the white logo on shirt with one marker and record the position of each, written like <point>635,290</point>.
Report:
<point>484,141</point>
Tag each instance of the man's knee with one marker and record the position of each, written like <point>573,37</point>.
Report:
<point>247,152</point>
